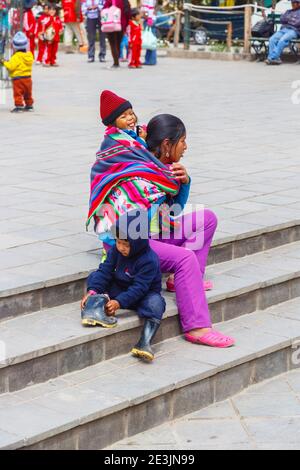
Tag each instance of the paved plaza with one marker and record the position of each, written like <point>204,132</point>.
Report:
<point>60,382</point>
<point>243,135</point>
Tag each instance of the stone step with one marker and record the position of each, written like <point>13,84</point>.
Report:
<point>50,343</point>
<point>47,284</point>
<point>107,402</point>
<point>265,416</point>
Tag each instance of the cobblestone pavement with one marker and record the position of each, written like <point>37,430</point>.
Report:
<point>243,136</point>
<point>251,420</point>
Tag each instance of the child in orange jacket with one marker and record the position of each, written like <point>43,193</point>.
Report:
<point>135,39</point>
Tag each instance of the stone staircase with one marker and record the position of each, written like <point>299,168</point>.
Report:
<point>66,387</point>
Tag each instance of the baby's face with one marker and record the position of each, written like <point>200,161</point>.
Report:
<point>127,120</point>
<point>123,247</point>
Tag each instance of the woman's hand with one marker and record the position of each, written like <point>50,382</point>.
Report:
<point>180,173</point>
<point>111,307</point>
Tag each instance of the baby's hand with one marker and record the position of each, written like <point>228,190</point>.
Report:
<point>111,307</point>
<point>143,132</point>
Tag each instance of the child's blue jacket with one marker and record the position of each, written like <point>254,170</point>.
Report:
<point>135,275</point>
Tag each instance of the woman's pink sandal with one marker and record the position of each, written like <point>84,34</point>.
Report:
<point>207,285</point>
<point>213,338</point>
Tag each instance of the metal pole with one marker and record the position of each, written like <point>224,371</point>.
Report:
<point>247,26</point>
<point>177,29</point>
<point>187,29</point>
<point>229,35</point>
<point>21,14</point>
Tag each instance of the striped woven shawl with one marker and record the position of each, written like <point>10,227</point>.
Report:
<point>124,176</point>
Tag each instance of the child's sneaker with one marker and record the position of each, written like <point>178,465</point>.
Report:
<point>83,49</point>
<point>18,109</point>
<point>29,108</point>
<point>38,62</point>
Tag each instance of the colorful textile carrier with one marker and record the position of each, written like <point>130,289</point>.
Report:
<point>126,176</point>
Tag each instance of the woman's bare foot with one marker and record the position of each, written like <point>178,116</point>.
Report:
<point>198,332</point>
<point>207,285</point>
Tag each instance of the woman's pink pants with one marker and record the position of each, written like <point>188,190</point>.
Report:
<point>185,253</point>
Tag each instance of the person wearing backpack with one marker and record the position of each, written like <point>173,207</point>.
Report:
<point>290,30</point>
<point>53,29</point>
<point>91,9</point>
<point>115,37</point>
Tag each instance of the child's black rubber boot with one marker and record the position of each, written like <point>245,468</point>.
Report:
<point>143,348</point>
<point>94,313</point>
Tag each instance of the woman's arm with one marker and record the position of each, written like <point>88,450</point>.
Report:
<point>182,197</point>
<point>180,172</point>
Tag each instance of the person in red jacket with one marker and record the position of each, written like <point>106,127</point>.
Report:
<point>115,38</point>
<point>42,44</point>
<point>135,39</point>
<point>53,28</point>
<point>29,23</point>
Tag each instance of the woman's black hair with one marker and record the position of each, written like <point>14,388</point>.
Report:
<point>161,127</point>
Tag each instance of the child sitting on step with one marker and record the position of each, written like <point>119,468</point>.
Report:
<point>131,277</point>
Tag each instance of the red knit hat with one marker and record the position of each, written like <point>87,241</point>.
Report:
<point>112,106</point>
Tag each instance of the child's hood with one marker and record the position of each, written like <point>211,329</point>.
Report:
<point>138,247</point>
<point>134,227</point>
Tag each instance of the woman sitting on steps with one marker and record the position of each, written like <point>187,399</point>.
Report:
<point>185,250</point>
